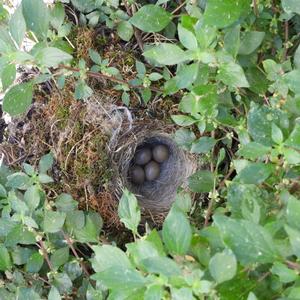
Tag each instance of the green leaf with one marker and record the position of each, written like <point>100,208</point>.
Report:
<point>155,76</point>
<point>294,138</point>
<point>82,90</point>
<point>107,256</point>
<point>186,75</point>
<point>292,79</point>
<point>17,26</point>
<point>63,283</point>
<point>53,221</point>
<point>65,203</point>
<point>176,232</point>
<point>5,261</point>
<point>203,145</point>
<point>34,263</point>
<point>184,137</point>
<point>75,220</point>
<point>32,197</point>
<point>154,292</point>
<point>19,235</point>
<point>253,150</point>
<point>54,294</point>
<point>18,99</point>
<point>224,13</point>
<point>141,250</point>
<point>20,255</point>
<point>187,38</point>
<point>285,274</point>
<point>8,76</point>
<point>183,120</point>
<point>243,201</point>
<point>201,181</point>
<point>166,54</point>
<point>232,75</point>
<point>250,41</point>
<point>18,180</point>
<point>57,15</point>
<point>250,242</point>
<point>52,57</point>
<point>291,6</point>
<point>232,40</point>
<point>254,173</point>
<point>260,119</point>
<point>183,201</point>
<point>223,266</point>
<point>91,230</point>
<point>297,58</point>
<point>95,56</point>
<point>119,278</point>
<point>294,236</point>
<point>182,293</point>
<point>293,212</point>
<point>161,265</point>
<point>291,156</point>
<point>151,18</point>
<point>125,30</point>
<point>59,257</point>
<point>46,163</point>
<point>276,134</point>
<point>44,178</point>
<point>140,67</point>
<point>129,211</point>
<point>37,17</point>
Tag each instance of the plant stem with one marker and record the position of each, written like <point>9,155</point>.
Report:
<point>70,244</point>
<point>45,254</point>
<point>113,79</point>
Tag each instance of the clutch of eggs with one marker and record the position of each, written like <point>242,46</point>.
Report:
<point>147,163</point>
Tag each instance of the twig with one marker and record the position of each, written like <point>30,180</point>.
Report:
<point>286,38</point>
<point>113,79</point>
<point>293,265</point>
<point>70,243</point>
<point>178,8</point>
<point>255,8</point>
<point>45,254</point>
<point>211,202</point>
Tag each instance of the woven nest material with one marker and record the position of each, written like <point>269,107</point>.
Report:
<point>155,197</point>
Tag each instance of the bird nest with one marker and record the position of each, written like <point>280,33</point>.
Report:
<point>93,144</point>
<point>156,196</point>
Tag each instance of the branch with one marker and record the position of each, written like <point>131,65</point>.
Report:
<point>286,39</point>
<point>293,265</point>
<point>45,254</point>
<point>113,79</point>
<point>70,244</point>
<point>255,8</point>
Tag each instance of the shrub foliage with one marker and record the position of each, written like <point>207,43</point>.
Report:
<point>234,68</point>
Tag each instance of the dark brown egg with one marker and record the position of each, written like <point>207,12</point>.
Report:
<point>142,156</point>
<point>137,174</point>
<point>152,170</point>
<point>160,153</point>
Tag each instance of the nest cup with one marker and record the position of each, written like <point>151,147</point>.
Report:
<point>157,196</point>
